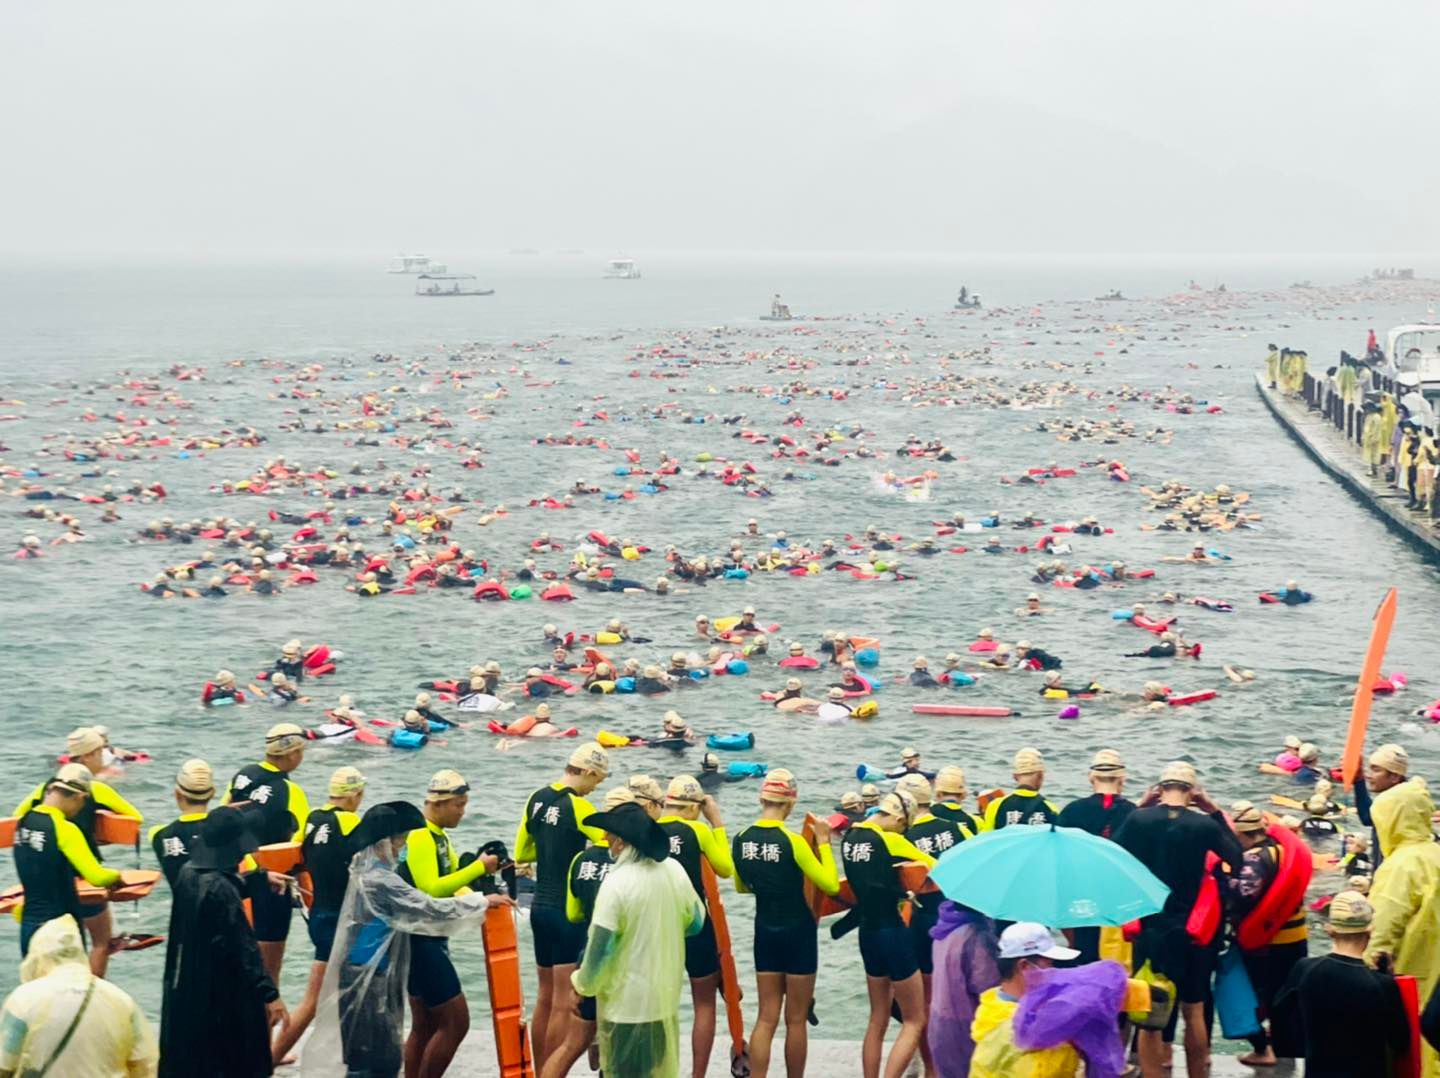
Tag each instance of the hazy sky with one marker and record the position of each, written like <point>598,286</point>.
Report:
<point>316,127</point>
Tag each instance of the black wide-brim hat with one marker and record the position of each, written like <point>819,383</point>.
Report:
<point>635,827</point>
<point>385,820</point>
<point>227,835</point>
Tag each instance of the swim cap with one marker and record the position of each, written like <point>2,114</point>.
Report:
<point>710,762</point>
<point>797,648</point>
<point>617,796</point>
<point>445,784</point>
<point>917,786</point>
<point>1028,761</point>
<point>1052,677</point>
<point>1178,773</point>
<point>591,758</point>
<point>534,671</point>
<point>196,780</point>
<point>987,634</point>
<point>793,683</point>
<point>414,722</point>
<point>422,699</point>
<point>492,667</point>
<point>346,780</point>
<point>1392,758</point>
<point>836,692</point>
<point>83,740</point>
<point>548,629</point>
<point>952,657</point>
<point>950,780</point>
<point>1023,645</point>
<point>644,788</point>
<point>1350,913</point>
<point>1292,742</point>
<point>909,752</point>
<point>921,662</point>
<point>1107,762</point>
<point>652,672</point>
<point>898,804</point>
<point>1032,598</point>
<point>292,647</point>
<point>283,738</point>
<point>673,721</point>
<point>779,786</point>
<point>1246,817</point>
<point>748,610</point>
<point>72,778</point>
<point>684,790</point>
<point>870,792</point>
<point>1308,753</point>
<point>225,677</point>
<point>613,625</point>
<point>850,800</point>
<point>542,711</point>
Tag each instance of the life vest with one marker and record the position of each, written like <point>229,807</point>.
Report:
<point>490,590</point>
<point>1277,905</point>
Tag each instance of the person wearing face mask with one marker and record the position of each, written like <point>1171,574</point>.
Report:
<point>1024,947</point>
<point>360,1019</point>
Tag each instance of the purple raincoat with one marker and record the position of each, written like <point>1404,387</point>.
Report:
<point>1076,1006</point>
<point>964,967</point>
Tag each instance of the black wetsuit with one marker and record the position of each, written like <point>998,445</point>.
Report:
<point>1343,1018</point>
<point>175,842</point>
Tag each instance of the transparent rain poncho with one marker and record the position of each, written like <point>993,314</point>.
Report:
<point>634,963</point>
<point>360,1019</point>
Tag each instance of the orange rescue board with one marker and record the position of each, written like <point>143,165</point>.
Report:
<point>729,980</point>
<point>1364,691</point>
<point>507,1000</point>
<point>914,877</point>
<point>278,856</point>
<point>113,828</point>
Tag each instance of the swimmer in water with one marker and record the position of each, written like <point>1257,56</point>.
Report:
<point>920,675</point>
<point>1032,607</point>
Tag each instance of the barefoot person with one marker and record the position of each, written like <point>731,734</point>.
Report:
<point>439,1014</point>
<point>553,830</point>
<point>772,862</point>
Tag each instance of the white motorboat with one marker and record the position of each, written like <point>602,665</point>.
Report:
<point>622,269</point>
<point>449,284</point>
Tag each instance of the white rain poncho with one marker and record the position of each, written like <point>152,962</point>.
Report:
<point>634,963</point>
<point>360,1019</point>
<point>110,1039</point>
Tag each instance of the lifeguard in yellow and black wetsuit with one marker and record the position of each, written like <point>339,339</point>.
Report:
<point>283,809</point>
<point>950,800</point>
<point>871,851</point>
<point>772,863</point>
<point>439,1015</point>
<point>174,842</point>
<point>552,831</point>
<point>86,747</point>
<point>692,839</point>
<point>50,851</point>
<point>1024,805</point>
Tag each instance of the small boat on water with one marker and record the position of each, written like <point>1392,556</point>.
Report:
<point>413,264</point>
<point>1110,297</point>
<point>450,284</point>
<point>622,269</point>
<point>779,312</point>
<point>967,300</point>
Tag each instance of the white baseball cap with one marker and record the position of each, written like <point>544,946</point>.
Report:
<point>1026,939</point>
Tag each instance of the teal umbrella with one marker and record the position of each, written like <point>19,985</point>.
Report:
<point>1059,876</point>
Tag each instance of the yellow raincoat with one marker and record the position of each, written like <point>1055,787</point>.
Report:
<point>996,1055</point>
<point>1406,892</point>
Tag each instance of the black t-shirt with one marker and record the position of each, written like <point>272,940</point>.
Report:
<point>174,843</point>
<point>1346,1020</point>
<point>43,868</point>
<point>550,820</point>
<point>1172,843</point>
<point>270,790</point>
<point>587,873</point>
<point>327,857</point>
<point>1100,814</point>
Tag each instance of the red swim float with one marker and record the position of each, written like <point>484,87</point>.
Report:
<point>1279,903</point>
<point>1204,919</point>
<point>1192,698</point>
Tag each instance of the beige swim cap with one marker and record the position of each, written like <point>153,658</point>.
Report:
<point>1350,913</point>
<point>196,780</point>
<point>1178,773</point>
<point>1028,761</point>
<point>917,786</point>
<point>592,758</point>
<point>84,740</point>
<point>283,738</point>
<point>346,780</point>
<point>1392,758</point>
<point>685,790</point>
<point>644,788</point>
<point>950,780</point>
<point>445,784</point>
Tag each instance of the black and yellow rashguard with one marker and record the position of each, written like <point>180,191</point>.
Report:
<point>50,851</point>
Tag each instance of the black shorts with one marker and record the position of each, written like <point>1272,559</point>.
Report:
<point>557,941</point>
<point>888,952</point>
<point>432,975</point>
<point>921,943</point>
<point>95,909</point>
<point>701,956</point>
<point>586,1007</point>
<point>791,949</point>
<point>1171,954</point>
<point>322,932</point>
<point>272,915</point>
